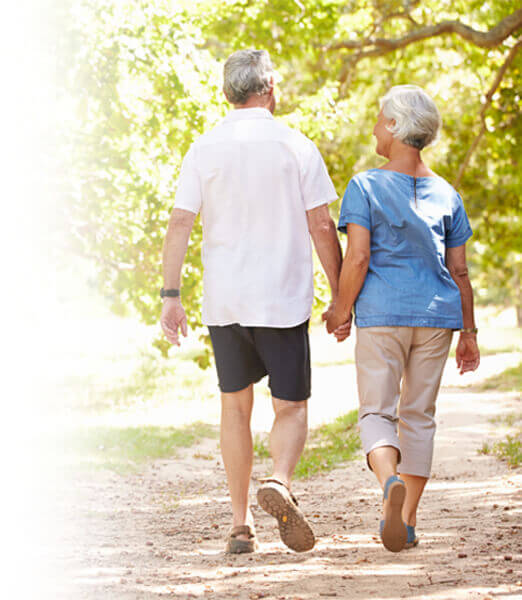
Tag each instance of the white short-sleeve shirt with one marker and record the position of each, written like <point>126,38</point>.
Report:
<point>253,179</point>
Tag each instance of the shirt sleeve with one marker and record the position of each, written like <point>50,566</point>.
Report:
<point>460,230</point>
<point>188,194</point>
<point>355,207</point>
<point>316,186</point>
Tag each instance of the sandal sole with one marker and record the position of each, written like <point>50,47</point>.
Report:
<point>241,546</point>
<point>410,545</point>
<point>294,529</point>
<point>394,533</point>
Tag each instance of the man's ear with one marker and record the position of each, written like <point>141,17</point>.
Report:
<point>228,99</point>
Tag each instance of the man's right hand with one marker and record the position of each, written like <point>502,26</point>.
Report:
<point>172,319</point>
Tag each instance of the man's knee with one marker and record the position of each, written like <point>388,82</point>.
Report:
<point>237,403</point>
<point>294,409</point>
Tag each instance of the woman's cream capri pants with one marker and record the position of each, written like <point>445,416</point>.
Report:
<point>395,415</point>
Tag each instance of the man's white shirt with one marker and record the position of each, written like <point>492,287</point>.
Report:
<point>253,179</point>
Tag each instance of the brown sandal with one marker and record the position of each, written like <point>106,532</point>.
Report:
<point>238,546</point>
<point>277,500</point>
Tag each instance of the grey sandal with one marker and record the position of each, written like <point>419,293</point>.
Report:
<point>239,546</point>
<point>275,498</point>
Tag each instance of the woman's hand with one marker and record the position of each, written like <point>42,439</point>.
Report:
<point>468,353</point>
<point>338,322</point>
<point>344,330</point>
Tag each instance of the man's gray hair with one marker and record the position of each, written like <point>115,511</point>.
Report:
<point>247,72</point>
<point>417,119</point>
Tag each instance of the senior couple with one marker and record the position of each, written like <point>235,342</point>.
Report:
<point>263,191</point>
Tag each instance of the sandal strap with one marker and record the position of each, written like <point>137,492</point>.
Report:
<point>278,481</point>
<point>389,481</point>
<point>411,534</point>
<point>242,530</point>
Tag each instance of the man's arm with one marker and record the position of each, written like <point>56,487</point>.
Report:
<point>174,249</point>
<point>353,274</point>
<point>468,354</point>
<point>324,236</point>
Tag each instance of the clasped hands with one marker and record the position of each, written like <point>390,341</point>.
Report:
<point>338,322</point>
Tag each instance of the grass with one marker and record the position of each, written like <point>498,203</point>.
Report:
<point>507,381</point>
<point>509,449</point>
<point>328,446</point>
<point>509,419</point>
<point>260,447</point>
<point>125,448</point>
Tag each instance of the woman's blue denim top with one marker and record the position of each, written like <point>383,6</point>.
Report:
<point>412,220</point>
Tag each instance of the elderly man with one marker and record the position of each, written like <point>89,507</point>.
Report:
<point>263,190</point>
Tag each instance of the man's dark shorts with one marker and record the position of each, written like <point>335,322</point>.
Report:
<point>246,354</point>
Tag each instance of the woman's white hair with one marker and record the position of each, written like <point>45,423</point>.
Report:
<point>417,119</point>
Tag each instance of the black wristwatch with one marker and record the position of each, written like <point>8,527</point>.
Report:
<point>172,293</point>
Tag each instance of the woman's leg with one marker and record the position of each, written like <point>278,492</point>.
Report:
<point>414,488</point>
<point>422,375</point>
<point>383,462</point>
<point>380,356</point>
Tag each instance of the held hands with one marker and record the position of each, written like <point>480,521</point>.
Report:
<point>337,323</point>
<point>467,354</point>
<point>173,318</point>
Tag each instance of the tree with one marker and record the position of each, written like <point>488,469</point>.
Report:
<point>145,79</point>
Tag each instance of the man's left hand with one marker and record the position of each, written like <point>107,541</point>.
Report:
<point>172,319</point>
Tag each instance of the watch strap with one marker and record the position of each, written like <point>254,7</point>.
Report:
<point>170,293</point>
<point>469,330</point>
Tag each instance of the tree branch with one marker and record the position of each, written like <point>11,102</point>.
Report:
<point>484,39</point>
<point>489,98</point>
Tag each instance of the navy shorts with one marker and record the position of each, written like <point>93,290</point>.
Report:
<point>244,355</point>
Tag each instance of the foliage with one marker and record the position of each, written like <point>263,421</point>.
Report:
<point>140,81</point>
<point>328,446</point>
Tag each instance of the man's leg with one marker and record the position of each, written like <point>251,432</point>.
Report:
<point>286,356</point>
<point>287,440</point>
<point>288,436</point>
<point>237,452</point>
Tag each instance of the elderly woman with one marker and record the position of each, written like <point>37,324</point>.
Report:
<point>405,272</point>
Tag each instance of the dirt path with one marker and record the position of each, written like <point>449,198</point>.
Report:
<point>160,534</point>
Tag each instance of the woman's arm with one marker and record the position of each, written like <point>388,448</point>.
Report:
<point>468,354</point>
<point>353,274</point>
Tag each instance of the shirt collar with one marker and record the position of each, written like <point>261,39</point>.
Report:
<point>240,114</point>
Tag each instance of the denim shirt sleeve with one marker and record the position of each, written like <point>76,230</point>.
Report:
<point>355,207</point>
<point>460,230</point>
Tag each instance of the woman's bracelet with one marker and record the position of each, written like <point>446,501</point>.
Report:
<point>469,330</point>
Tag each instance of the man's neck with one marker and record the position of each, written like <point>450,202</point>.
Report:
<point>255,102</point>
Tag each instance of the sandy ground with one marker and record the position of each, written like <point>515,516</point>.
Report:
<point>160,533</point>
